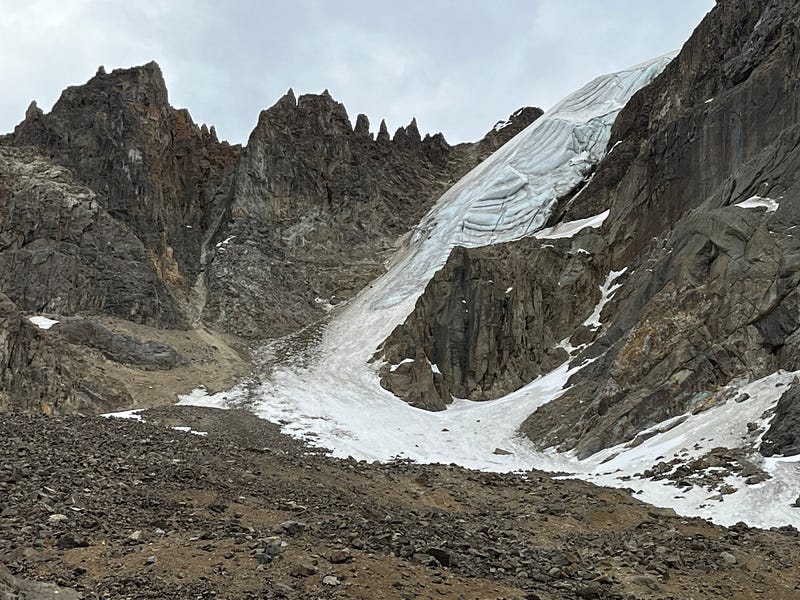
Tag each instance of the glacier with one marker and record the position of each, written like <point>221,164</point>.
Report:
<point>327,389</point>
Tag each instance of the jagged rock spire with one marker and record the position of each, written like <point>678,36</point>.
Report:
<point>383,132</point>
<point>362,125</point>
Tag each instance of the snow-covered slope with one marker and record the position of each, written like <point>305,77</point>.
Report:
<point>329,391</point>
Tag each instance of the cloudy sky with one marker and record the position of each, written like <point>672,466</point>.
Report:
<point>457,65</point>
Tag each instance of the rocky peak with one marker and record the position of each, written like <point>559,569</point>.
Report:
<point>33,111</point>
<point>383,132</point>
<point>409,135</point>
<point>312,193</point>
<point>516,122</point>
<point>152,167</point>
<point>362,125</point>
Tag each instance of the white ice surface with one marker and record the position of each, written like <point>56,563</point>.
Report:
<point>42,322</point>
<point>330,391</point>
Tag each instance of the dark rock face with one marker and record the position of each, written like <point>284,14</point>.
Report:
<point>316,205</point>
<point>690,318</point>
<point>714,291</point>
<point>151,167</point>
<point>491,321</point>
<point>40,373</point>
<point>62,252</point>
<point>783,435</point>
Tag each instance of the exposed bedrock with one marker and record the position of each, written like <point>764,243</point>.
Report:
<point>62,252</point>
<point>317,205</point>
<point>491,321</point>
<point>150,165</point>
<point>783,436</point>
<point>121,348</point>
<point>40,373</point>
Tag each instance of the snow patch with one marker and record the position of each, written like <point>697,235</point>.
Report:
<point>759,202</point>
<point>225,242</point>
<point>766,504</point>
<point>607,291</point>
<point>405,361</point>
<point>125,414</point>
<point>185,429</point>
<point>42,322</point>
<point>571,228</point>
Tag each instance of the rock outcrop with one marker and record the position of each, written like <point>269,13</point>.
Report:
<point>13,588</point>
<point>783,436</point>
<point>118,347</point>
<point>40,373</point>
<point>316,205</point>
<point>150,166</point>
<point>62,252</point>
<point>492,320</point>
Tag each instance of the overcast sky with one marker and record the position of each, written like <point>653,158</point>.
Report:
<point>456,65</point>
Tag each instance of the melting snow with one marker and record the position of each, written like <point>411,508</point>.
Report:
<point>764,504</point>
<point>405,361</point>
<point>607,291</point>
<point>125,414</point>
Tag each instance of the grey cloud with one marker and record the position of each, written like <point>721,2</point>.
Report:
<point>456,65</point>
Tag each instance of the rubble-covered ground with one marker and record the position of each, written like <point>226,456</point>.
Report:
<point>122,508</point>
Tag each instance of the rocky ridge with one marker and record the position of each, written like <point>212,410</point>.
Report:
<point>317,205</point>
<point>115,204</point>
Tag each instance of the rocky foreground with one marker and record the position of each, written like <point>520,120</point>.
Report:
<point>112,508</point>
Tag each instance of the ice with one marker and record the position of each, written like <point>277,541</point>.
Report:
<point>42,322</point>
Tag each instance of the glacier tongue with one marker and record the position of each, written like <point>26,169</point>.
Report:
<point>513,192</point>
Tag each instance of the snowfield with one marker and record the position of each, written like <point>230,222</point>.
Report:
<point>329,391</point>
